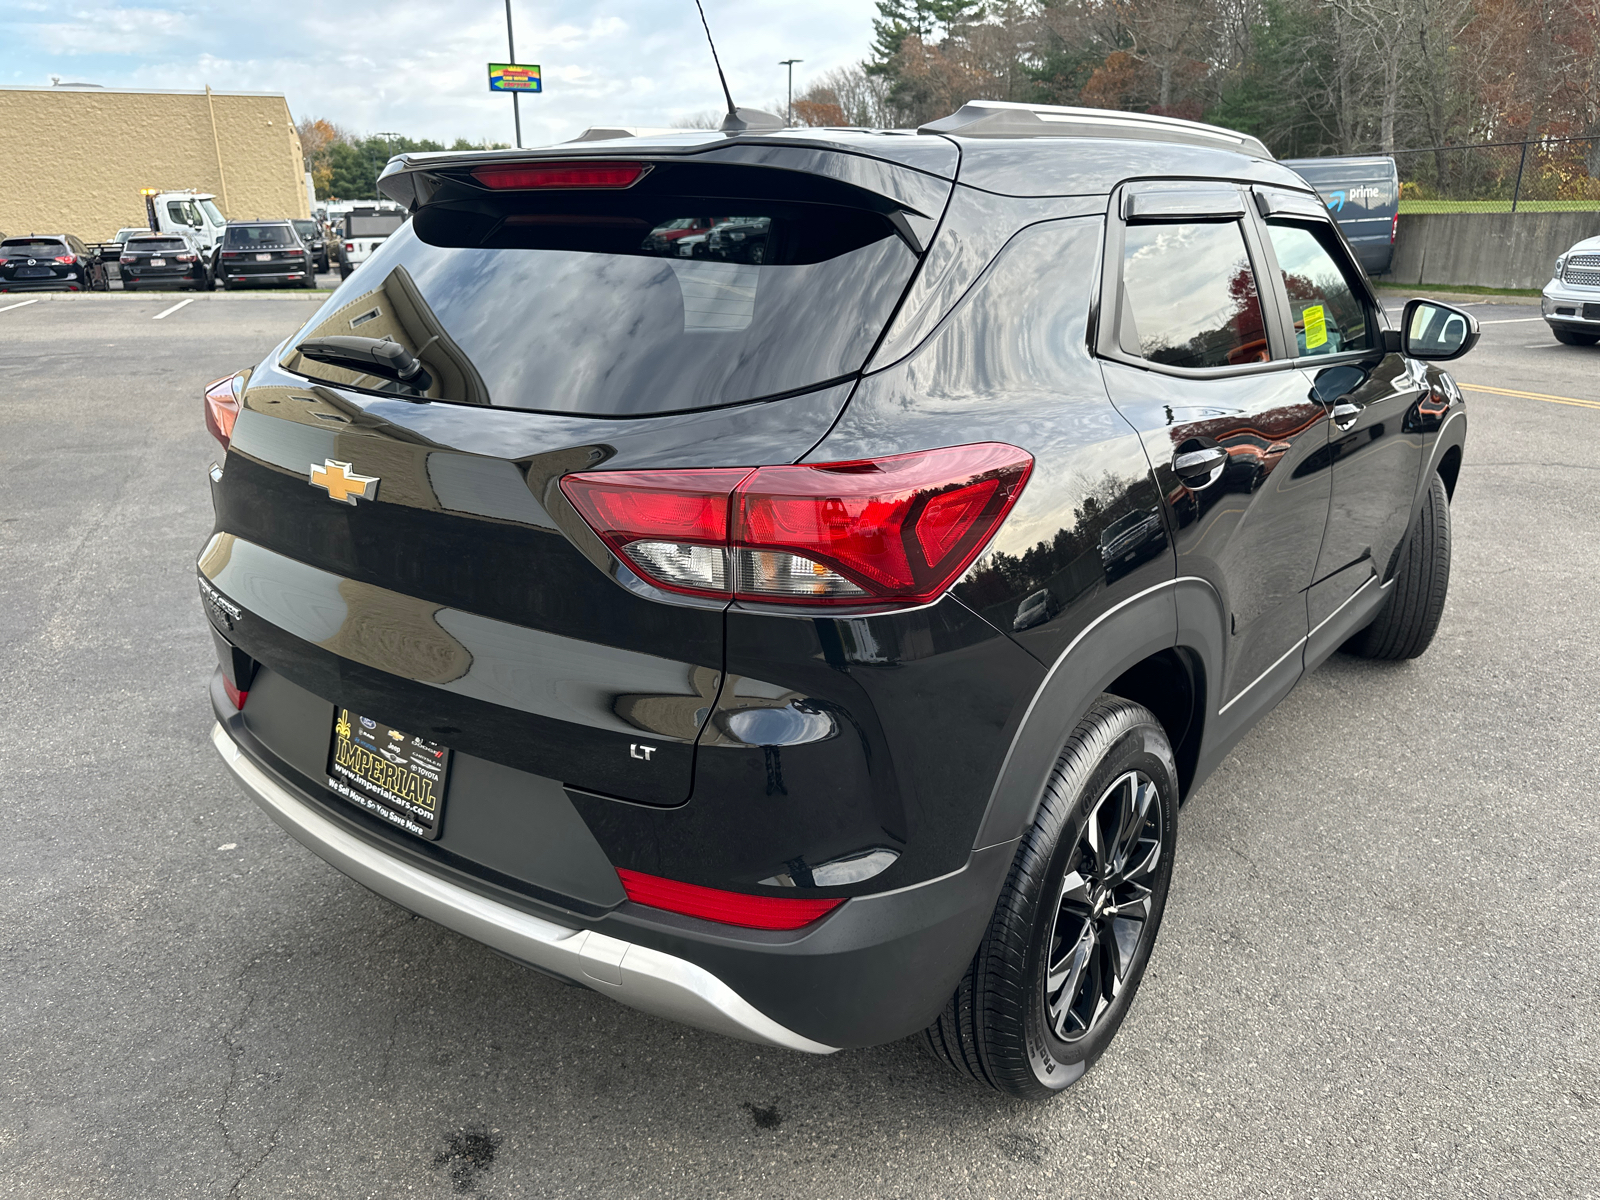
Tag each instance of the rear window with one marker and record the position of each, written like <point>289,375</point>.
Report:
<point>305,229</point>
<point>152,243</point>
<point>623,305</point>
<point>260,235</point>
<point>34,247</point>
<point>378,225</point>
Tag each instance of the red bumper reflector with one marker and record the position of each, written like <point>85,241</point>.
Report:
<point>234,694</point>
<point>730,908</point>
<point>222,409</point>
<point>526,176</point>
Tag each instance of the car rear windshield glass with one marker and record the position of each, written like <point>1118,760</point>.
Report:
<point>380,225</point>
<point>260,235</point>
<point>155,244</point>
<point>619,307</point>
<point>34,247</point>
<point>305,228</point>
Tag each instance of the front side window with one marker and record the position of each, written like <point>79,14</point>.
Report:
<point>1329,316</point>
<point>1190,296</point>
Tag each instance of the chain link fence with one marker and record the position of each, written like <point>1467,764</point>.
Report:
<point>1549,175</point>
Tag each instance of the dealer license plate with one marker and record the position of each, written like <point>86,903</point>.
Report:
<point>158,262</point>
<point>263,258</point>
<point>392,774</point>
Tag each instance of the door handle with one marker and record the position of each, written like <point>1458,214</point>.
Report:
<point>1200,468</point>
<point>1345,415</point>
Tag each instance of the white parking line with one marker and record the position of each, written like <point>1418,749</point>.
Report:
<point>1510,320</point>
<point>173,309</point>
<point>20,304</point>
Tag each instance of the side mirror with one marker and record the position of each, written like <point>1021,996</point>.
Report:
<point>1437,332</point>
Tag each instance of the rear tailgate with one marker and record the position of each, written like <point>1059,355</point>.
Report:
<point>458,594</point>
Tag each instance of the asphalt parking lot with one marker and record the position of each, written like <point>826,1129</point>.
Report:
<point>1377,976</point>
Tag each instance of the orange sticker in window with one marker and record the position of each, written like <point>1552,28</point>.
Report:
<point>1316,326</point>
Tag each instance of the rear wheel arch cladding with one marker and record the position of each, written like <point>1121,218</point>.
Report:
<point>1141,629</point>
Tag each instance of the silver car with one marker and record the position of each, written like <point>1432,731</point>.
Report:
<point>1571,302</point>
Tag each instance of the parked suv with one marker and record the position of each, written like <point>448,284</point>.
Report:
<point>364,230</point>
<point>818,650</point>
<point>311,235</point>
<point>1571,302</point>
<point>165,260</point>
<point>56,262</point>
<point>264,252</point>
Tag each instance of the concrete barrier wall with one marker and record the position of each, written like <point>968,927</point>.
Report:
<point>1503,250</point>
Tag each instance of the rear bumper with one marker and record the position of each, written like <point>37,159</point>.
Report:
<point>41,285</point>
<point>647,979</point>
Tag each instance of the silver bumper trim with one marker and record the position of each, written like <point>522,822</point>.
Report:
<point>657,983</point>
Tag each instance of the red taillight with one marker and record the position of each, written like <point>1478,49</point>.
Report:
<point>525,176</point>
<point>126,258</point>
<point>66,260</point>
<point>222,409</point>
<point>1394,227</point>
<point>730,908</point>
<point>897,530</point>
<point>349,246</point>
<point>235,696</point>
<point>233,254</point>
<point>186,257</point>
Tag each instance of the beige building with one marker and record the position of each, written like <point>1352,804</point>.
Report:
<point>72,159</point>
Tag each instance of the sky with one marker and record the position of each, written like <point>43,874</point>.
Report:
<point>419,68</point>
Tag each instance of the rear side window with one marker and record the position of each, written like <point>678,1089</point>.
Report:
<point>1190,296</point>
<point>622,305</point>
<point>259,235</point>
<point>33,247</point>
<point>1329,316</point>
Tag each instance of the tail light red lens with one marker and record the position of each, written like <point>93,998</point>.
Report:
<point>186,257</point>
<point>349,246</point>
<point>66,260</point>
<point>235,696</point>
<point>222,408</point>
<point>730,908</point>
<point>528,176</point>
<point>126,258</point>
<point>233,254</point>
<point>1394,228</point>
<point>889,530</point>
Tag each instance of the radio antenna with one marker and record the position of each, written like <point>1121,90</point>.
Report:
<point>731,121</point>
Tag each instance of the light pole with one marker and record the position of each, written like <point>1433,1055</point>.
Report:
<point>516,99</point>
<point>788,62</point>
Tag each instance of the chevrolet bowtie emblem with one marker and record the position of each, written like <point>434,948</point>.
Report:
<point>341,482</point>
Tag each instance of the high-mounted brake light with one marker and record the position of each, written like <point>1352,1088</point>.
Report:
<point>896,530</point>
<point>222,408</point>
<point>730,908</point>
<point>527,176</point>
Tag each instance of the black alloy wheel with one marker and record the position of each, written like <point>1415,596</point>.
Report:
<point>1072,931</point>
<point>1105,907</point>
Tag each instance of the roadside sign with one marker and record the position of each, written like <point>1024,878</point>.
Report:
<point>514,77</point>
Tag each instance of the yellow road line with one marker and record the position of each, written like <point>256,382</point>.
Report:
<point>1494,391</point>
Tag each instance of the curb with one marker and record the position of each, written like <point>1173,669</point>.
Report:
<point>1398,290</point>
<point>134,297</point>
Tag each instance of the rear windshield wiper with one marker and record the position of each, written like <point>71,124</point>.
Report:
<point>382,357</point>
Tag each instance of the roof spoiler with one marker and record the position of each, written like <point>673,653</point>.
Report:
<point>1000,118</point>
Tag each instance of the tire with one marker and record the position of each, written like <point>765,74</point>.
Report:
<point>1568,338</point>
<point>1003,1027</point>
<point>128,286</point>
<point>1409,618</point>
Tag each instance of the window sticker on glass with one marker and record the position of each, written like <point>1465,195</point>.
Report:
<point>1316,326</point>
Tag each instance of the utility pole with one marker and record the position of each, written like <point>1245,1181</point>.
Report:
<point>788,62</point>
<point>516,99</point>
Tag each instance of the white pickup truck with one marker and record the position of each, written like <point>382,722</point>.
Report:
<point>187,212</point>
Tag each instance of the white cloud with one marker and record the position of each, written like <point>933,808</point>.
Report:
<point>419,68</point>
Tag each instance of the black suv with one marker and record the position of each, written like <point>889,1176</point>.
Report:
<point>310,232</point>
<point>55,262</point>
<point>818,649</point>
<point>264,252</point>
<point>165,260</point>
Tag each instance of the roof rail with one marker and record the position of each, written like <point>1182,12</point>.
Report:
<point>1000,118</point>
